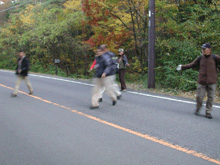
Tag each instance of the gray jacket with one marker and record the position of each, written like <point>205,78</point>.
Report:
<point>104,65</point>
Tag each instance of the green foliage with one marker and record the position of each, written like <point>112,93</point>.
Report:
<point>181,34</point>
<point>56,29</point>
<point>175,53</point>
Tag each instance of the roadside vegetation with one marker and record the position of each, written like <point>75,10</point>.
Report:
<point>70,30</point>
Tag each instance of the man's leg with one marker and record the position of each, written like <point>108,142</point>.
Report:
<point>115,87</point>
<point>107,81</point>
<point>201,89</point>
<point>18,83</point>
<point>211,95</point>
<point>96,93</point>
<point>28,85</point>
<point>122,78</point>
<point>101,91</point>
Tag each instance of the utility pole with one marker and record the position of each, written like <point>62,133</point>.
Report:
<point>151,45</point>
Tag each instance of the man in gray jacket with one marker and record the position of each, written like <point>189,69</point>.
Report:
<point>114,65</point>
<point>103,78</point>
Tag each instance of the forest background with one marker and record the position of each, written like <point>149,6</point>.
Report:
<point>70,30</point>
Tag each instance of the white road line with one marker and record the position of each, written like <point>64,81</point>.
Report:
<point>135,93</point>
<point>59,79</point>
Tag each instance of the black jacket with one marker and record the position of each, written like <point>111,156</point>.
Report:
<point>104,65</point>
<point>24,67</point>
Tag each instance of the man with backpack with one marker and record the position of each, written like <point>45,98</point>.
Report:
<point>114,67</point>
<point>207,78</point>
<point>103,78</point>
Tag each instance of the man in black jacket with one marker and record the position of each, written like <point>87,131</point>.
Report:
<point>22,73</point>
<point>104,74</point>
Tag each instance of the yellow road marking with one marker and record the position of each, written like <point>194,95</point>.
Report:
<point>145,136</point>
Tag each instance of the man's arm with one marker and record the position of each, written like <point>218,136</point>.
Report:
<point>217,58</point>
<point>126,60</point>
<point>93,65</point>
<point>193,64</point>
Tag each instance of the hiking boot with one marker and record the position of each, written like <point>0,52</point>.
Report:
<point>196,112</point>
<point>208,115</point>
<point>92,108</point>
<point>31,92</point>
<point>14,95</point>
<point>118,97</point>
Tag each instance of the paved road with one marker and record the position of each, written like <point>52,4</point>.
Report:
<point>55,126</point>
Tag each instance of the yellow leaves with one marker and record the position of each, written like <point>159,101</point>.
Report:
<point>64,57</point>
<point>6,31</point>
<point>74,5</point>
<point>27,20</point>
<point>29,8</point>
<point>26,17</point>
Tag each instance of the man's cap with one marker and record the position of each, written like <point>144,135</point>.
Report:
<point>120,50</point>
<point>99,47</point>
<point>104,46</point>
<point>206,45</point>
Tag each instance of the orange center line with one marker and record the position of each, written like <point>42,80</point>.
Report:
<point>145,136</point>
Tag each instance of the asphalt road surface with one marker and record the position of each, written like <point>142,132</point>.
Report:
<point>55,126</point>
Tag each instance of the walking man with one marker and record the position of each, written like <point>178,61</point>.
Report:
<point>123,63</point>
<point>22,73</point>
<point>114,65</point>
<point>207,78</point>
<point>104,73</point>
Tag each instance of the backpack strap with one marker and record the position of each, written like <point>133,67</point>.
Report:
<point>198,59</point>
<point>214,58</point>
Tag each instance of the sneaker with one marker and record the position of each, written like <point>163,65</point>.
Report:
<point>97,107</point>
<point>118,97</point>
<point>124,90</point>
<point>114,102</point>
<point>100,100</point>
<point>208,115</point>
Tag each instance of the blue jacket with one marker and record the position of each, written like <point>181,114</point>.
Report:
<point>104,65</point>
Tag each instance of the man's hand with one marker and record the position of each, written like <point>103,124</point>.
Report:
<point>179,67</point>
<point>103,75</point>
<point>19,71</point>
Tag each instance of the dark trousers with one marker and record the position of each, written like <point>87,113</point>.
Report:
<point>121,74</point>
<point>201,90</point>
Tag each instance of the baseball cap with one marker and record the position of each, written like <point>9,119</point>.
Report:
<point>120,50</point>
<point>206,45</point>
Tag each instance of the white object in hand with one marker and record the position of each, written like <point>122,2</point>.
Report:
<point>179,67</point>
